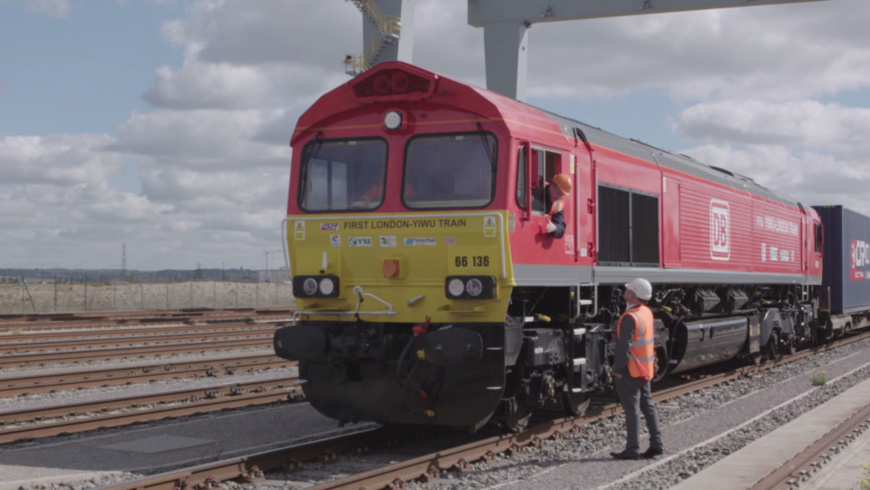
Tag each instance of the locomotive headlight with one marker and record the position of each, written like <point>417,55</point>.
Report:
<point>455,287</point>
<point>474,287</point>
<point>327,286</point>
<point>309,286</point>
<point>319,286</point>
<point>393,120</point>
<point>470,287</point>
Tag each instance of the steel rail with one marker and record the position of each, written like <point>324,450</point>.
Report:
<point>801,466</point>
<point>126,375</point>
<point>75,409</point>
<point>117,331</point>
<point>84,355</point>
<point>78,320</point>
<point>118,420</point>
<point>129,341</point>
<point>248,468</point>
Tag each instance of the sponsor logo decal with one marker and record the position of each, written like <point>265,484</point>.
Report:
<point>449,240</point>
<point>720,230</point>
<point>387,241</point>
<point>359,241</point>
<point>420,241</point>
<point>328,226</point>
<point>860,259</point>
<point>335,240</point>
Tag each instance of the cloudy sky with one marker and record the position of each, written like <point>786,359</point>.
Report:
<point>163,124</point>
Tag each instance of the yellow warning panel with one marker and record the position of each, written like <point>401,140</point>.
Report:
<point>299,230</point>
<point>488,226</point>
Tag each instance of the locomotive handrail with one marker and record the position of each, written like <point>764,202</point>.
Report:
<point>358,290</point>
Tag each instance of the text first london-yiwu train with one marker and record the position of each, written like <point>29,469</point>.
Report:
<point>429,291</point>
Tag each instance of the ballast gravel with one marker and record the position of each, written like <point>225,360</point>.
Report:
<point>583,461</point>
<point>691,426</point>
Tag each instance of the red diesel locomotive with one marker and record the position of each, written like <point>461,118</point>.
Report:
<point>429,291</point>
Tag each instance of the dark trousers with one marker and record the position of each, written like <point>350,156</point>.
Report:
<point>635,396</point>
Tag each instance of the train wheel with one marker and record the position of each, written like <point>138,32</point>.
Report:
<point>661,364</point>
<point>772,350</point>
<point>575,403</point>
<point>790,347</point>
<point>518,421</point>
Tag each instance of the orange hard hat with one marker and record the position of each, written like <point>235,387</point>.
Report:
<point>563,182</point>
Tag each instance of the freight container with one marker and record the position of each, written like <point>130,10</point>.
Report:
<point>846,265</point>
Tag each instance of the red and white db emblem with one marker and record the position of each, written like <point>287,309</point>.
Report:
<point>720,230</point>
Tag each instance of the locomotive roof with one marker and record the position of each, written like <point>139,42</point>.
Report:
<point>497,104</point>
<point>678,162</point>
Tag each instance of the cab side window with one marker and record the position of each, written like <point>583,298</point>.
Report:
<point>544,166</point>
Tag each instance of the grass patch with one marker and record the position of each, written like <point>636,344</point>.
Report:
<point>821,378</point>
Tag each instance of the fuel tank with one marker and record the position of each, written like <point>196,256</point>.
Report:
<point>704,342</point>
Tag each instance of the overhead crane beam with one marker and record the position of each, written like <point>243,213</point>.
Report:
<point>388,33</point>
<point>506,22</point>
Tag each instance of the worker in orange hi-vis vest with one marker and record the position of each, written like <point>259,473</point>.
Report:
<point>633,368</point>
<point>559,187</point>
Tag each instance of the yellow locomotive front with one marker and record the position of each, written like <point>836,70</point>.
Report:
<point>403,206</point>
<point>399,259</point>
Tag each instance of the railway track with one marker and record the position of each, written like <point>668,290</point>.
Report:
<point>166,338</point>
<point>428,466</point>
<point>123,331</point>
<point>71,380</point>
<point>136,352</point>
<point>71,418</point>
<point>36,322</point>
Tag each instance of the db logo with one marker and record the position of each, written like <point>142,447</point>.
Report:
<point>720,230</point>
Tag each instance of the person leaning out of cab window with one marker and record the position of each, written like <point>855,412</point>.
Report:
<point>556,189</point>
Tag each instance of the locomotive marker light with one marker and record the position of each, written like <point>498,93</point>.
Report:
<point>309,286</point>
<point>393,120</point>
<point>455,287</point>
<point>474,287</point>
<point>318,286</point>
<point>470,287</point>
<point>326,286</point>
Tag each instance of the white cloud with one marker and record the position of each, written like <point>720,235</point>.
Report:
<point>810,177</point>
<point>778,52</point>
<point>806,123</point>
<point>210,86</point>
<point>203,139</point>
<point>56,159</point>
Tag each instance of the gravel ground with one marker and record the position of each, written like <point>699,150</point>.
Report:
<point>689,422</point>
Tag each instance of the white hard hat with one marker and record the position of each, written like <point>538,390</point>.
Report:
<point>641,287</point>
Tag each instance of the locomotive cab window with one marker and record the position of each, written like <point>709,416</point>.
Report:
<point>545,165</point>
<point>341,175</point>
<point>449,171</point>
